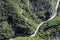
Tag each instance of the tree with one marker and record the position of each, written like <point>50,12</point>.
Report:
<point>6,30</point>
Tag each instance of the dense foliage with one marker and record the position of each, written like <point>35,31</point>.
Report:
<point>21,17</point>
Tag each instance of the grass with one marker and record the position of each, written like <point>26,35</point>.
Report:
<point>28,38</point>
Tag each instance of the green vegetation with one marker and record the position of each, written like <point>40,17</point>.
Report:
<point>20,18</point>
<point>5,30</point>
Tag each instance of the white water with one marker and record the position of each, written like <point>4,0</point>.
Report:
<point>55,13</point>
